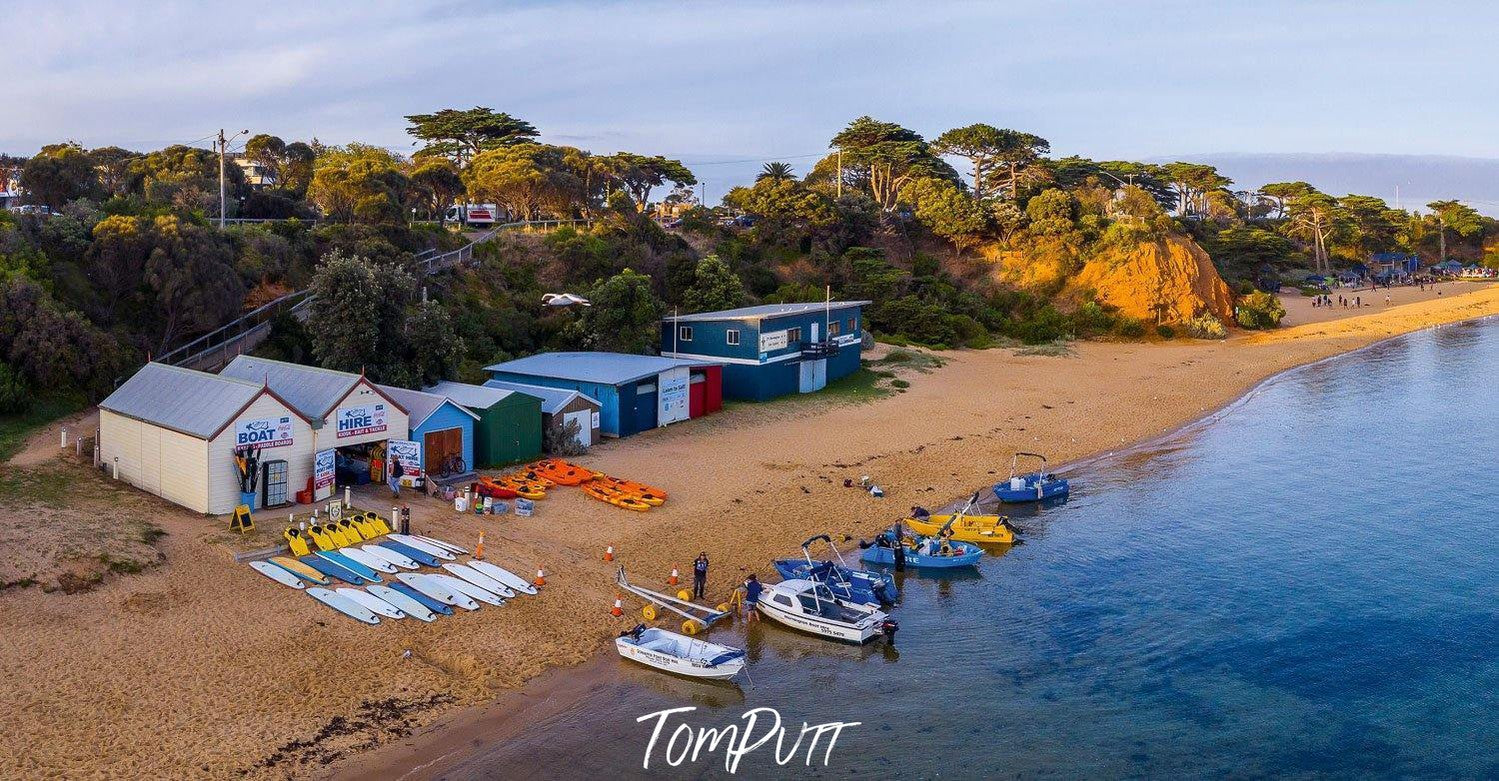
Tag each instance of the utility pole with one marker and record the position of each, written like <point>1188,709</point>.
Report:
<point>223,144</point>
<point>840,172</point>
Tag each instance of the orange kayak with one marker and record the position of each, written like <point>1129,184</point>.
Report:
<point>630,486</point>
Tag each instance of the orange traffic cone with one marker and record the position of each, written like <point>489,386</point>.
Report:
<point>541,578</point>
<point>609,553</point>
<point>672,581</point>
<point>479,549</point>
<point>619,607</point>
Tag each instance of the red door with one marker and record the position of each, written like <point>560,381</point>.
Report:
<point>696,396</point>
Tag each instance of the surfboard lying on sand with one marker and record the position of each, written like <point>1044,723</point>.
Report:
<point>479,579</point>
<point>349,564</point>
<point>373,562</point>
<point>410,552</point>
<point>343,605</point>
<point>426,547</point>
<point>408,605</point>
<point>371,602</point>
<point>464,587</point>
<point>503,575</point>
<point>437,590</point>
<point>434,605</point>
<point>445,545</point>
<point>300,570</point>
<point>332,570</point>
<point>277,574</point>
<point>390,556</point>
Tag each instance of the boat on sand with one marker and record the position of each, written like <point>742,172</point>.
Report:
<point>680,654</point>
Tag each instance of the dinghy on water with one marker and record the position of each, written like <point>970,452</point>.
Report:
<point>922,552</point>
<point>857,585</point>
<point>1032,486</point>
<point>680,654</point>
<point>809,606</point>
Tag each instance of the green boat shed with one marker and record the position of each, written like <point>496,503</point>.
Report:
<point>509,427</point>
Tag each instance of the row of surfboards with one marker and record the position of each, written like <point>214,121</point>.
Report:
<point>423,596</point>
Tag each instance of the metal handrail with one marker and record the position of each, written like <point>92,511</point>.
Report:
<point>298,300</point>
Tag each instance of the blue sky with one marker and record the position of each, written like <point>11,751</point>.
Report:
<point>713,83</point>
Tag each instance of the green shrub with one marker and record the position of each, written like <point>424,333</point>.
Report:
<point>15,392</point>
<point>1165,331</point>
<point>1093,318</point>
<point>1259,310</point>
<point>1205,326</point>
<point>1130,328</point>
<point>899,384</point>
<point>969,332</point>
<point>1045,325</point>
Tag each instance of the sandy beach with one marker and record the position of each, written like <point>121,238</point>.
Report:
<point>200,667</point>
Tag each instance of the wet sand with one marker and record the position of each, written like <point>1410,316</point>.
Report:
<point>201,667</point>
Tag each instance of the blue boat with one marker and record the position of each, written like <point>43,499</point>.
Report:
<point>1036,486</point>
<point>923,552</point>
<point>854,585</point>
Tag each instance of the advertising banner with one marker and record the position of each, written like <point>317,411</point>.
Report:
<point>322,475</point>
<point>361,420</point>
<point>671,398</point>
<point>409,452</point>
<point>263,433</point>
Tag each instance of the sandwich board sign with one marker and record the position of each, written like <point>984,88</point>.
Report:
<point>322,474</point>
<point>241,522</point>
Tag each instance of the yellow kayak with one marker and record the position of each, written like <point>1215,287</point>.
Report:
<point>968,528</point>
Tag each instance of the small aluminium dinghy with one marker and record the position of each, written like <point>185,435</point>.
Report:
<point>680,654</point>
<point>923,552</point>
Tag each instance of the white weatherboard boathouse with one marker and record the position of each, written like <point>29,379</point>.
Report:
<point>174,432</point>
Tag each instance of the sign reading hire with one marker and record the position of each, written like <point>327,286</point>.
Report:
<point>361,420</point>
<point>263,433</point>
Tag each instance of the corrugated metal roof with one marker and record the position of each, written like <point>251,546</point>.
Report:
<point>311,389</point>
<point>195,403</point>
<point>419,404</point>
<point>552,399</point>
<point>602,368</point>
<point>471,396</point>
<point>764,311</point>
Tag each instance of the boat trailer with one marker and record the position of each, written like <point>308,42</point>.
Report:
<point>697,616</point>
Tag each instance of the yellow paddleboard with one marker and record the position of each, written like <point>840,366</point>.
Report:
<point>300,569</point>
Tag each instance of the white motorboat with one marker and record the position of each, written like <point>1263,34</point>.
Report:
<point>809,606</point>
<point>680,654</point>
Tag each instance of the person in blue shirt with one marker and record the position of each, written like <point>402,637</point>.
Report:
<point>700,575</point>
<point>752,591</point>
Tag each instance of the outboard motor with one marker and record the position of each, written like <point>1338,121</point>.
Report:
<point>889,627</point>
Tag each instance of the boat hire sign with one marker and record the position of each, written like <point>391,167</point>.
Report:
<point>361,420</point>
<point>263,433</point>
<point>322,471</point>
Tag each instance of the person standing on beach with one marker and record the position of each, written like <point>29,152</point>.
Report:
<point>752,590</point>
<point>393,477</point>
<point>700,575</point>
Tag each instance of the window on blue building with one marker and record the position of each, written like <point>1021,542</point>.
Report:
<point>732,335</point>
<point>833,329</point>
<point>794,335</point>
<point>684,332</point>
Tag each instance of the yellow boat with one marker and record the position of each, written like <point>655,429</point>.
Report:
<point>967,528</point>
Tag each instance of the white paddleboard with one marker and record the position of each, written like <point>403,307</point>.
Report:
<point>424,547</point>
<point>372,603</point>
<point>479,579</point>
<point>344,605</point>
<point>407,605</point>
<point>504,576</point>
<point>373,562</point>
<point>464,587</point>
<point>437,590</point>
<point>442,544</point>
<point>277,574</point>
<point>382,552</point>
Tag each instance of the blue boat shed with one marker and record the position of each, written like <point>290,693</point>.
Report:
<point>773,349</point>
<point>442,426</point>
<point>635,393</point>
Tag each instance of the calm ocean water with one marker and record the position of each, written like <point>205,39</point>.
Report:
<point>1307,586</point>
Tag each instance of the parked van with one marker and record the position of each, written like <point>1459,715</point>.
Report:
<point>474,213</point>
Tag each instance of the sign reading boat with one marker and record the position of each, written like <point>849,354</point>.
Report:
<point>263,433</point>
<point>361,420</point>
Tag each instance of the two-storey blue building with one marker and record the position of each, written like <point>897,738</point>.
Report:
<point>773,349</point>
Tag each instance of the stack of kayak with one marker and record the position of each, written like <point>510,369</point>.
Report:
<point>533,481</point>
<point>386,567</point>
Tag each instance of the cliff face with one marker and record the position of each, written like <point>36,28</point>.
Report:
<point>1172,278</point>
